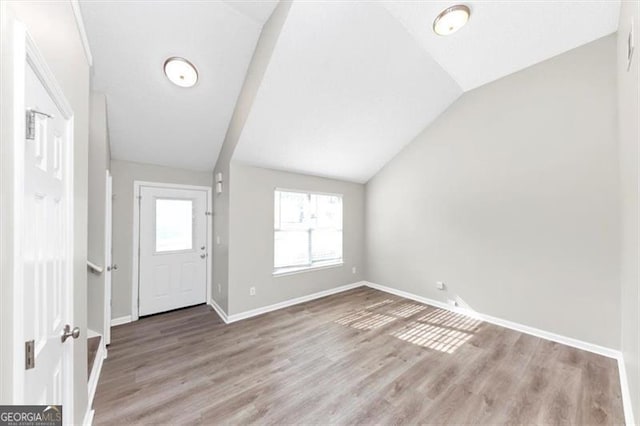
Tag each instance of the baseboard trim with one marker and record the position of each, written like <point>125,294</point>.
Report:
<point>626,394</point>
<point>291,302</point>
<point>120,320</point>
<point>94,377</point>
<point>569,341</point>
<point>88,417</point>
<point>221,313</point>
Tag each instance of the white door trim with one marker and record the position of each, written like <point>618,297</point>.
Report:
<point>135,269</point>
<point>108,261</point>
<point>25,51</point>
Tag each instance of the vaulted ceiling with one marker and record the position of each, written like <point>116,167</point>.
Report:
<point>150,119</point>
<point>348,84</point>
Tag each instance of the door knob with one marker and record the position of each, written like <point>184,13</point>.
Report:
<point>67,332</point>
<point>203,255</point>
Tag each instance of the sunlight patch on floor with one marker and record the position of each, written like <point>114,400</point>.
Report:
<point>433,337</point>
<point>378,304</point>
<point>407,309</point>
<point>444,318</point>
<point>372,321</point>
<point>348,319</point>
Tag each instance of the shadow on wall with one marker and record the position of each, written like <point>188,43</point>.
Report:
<point>436,328</point>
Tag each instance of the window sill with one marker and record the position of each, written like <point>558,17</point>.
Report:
<point>298,270</point>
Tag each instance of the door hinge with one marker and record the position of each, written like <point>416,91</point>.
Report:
<point>29,355</point>
<point>30,122</point>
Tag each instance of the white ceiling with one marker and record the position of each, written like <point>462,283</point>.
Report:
<point>347,87</point>
<point>150,119</point>
<point>349,84</point>
<point>258,10</point>
<point>503,37</point>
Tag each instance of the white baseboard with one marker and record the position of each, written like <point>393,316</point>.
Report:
<point>94,377</point>
<point>221,313</point>
<point>626,394</point>
<point>120,320</point>
<point>291,302</point>
<point>88,417</point>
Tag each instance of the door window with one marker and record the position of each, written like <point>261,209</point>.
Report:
<point>174,225</point>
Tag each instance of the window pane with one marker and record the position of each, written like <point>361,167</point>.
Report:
<point>174,225</point>
<point>291,248</point>
<point>326,245</point>
<point>293,209</point>
<point>328,211</point>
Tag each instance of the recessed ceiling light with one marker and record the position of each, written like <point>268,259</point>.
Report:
<point>180,72</point>
<point>451,19</point>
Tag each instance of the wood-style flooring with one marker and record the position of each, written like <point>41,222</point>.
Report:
<point>361,356</point>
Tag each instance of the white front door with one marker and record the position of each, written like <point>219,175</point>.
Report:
<point>173,252</point>
<point>47,247</point>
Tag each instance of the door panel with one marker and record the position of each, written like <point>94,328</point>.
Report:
<point>173,253</point>
<point>46,253</point>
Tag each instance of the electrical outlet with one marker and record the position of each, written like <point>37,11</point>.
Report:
<point>440,285</point>
<point>219,288</point>
<point>354,270</point>
<point>252,291</point>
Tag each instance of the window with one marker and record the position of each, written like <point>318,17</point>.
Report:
<point>307,231</point>
<point>174,225</point>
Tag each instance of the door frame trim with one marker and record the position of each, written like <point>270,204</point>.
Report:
<point>108,257</point>
<point>22,52</point>
<point>135,265</point>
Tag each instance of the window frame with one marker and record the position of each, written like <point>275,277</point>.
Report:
<point>312,265</point>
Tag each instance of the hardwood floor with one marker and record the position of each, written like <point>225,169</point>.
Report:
<point>357,357</point>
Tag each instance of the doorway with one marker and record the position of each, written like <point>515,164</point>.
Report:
<point>38,226</point>
<point>173,230</point>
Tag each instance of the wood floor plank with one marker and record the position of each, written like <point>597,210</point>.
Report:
<point>359,357</point>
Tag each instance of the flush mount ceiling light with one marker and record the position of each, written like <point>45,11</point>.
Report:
<point>451,19</point>
<point>180,72</point>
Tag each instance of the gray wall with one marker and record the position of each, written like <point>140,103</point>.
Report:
<point>511,198</point>
<point>53,27</point>
<point>255,72</point>
<point>628,92</point>
<point>99,163</point>
<point>251,244</point>
<point>124,173</point>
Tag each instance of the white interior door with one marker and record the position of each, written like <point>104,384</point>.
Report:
<point>173,251</point>
<point>108,270</point>
<point>47,247</point>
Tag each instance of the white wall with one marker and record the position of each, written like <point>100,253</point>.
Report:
<point>99,163</point>
<point>53,27</point>
<point>629,116</point>
<point>511,197</point>
<point>259,62</point>
<point>251,238</point>
<point>124,173</point>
